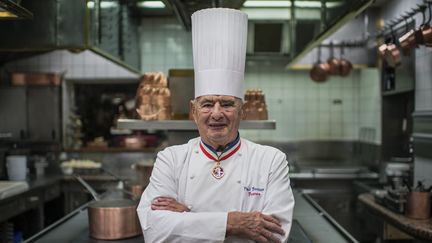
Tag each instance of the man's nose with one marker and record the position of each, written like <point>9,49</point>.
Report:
<point>217,111</point>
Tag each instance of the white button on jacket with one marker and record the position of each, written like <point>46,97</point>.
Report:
<point>256,181</point>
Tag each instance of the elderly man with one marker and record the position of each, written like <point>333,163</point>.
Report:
<point>218,187</point>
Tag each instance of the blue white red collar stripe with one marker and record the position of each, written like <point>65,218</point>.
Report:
<point>211,154</point>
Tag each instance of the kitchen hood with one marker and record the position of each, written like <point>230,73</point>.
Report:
<point>281,29</point>
<point>12,10</point>
<point>106,27</point>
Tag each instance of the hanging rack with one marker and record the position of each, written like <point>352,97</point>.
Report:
<point>400,22</point>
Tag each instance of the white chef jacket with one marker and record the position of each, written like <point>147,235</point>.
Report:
<point>256,179</point>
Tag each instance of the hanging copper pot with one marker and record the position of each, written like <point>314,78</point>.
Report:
<point>320,70</point>
<point>333,62</point>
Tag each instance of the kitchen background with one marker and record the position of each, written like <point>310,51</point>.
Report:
<point>351,122</point>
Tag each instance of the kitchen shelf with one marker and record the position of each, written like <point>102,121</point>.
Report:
<point>186,125</point>
<point>109,150</point>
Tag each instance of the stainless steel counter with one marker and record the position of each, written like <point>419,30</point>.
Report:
<point>309,226</point>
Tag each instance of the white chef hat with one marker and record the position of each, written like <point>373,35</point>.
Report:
<point>219,51</point>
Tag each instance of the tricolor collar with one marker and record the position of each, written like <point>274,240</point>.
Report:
<point>229,150</point>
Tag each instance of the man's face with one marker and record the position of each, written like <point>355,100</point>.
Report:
<point>218,118</point>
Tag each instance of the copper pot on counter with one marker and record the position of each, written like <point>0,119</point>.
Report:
<point>111,219</point>
<point>144,170</point>
<point>418,205</point>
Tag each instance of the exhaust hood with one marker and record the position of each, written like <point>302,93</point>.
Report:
<point>12,10</point>
<point>281,29</point>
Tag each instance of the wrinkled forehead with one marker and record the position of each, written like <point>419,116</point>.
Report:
<point>215,98</point>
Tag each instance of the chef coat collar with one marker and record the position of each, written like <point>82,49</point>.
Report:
<point>228,147</point>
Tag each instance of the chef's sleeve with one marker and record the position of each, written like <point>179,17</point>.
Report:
<point>168,226</point>
<point>279,199</point>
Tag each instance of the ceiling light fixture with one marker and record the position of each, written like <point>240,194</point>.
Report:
<point>287,4</point>
<point>267,4</point>
<point>151,4</point>
<point>103,4</point>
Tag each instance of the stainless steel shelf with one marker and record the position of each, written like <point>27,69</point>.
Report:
<point>186,124</point>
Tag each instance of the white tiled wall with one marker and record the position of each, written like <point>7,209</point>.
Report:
<point>369,102</point>
<point>304,110</point>
<point>83,65</point>
<point>164,45</point>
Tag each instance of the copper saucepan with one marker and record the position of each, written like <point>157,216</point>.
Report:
<point>320,70</point>
<point>111,219</point>
<point>333,62</point>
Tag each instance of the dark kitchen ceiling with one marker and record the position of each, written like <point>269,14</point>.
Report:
<point>305,24</point>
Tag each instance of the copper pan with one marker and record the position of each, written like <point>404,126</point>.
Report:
<point>393,56</point>
<point>320,70</point>
<point>345,67</point>
<point>333,62</point>
<point>111,219</point>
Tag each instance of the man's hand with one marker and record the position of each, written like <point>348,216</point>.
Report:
<point>168,203</point>
<point>254,226</point>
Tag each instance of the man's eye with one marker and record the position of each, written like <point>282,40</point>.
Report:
<point>227,104</point>
<point>206,105</point>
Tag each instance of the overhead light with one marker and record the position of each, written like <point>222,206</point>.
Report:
<point>287,4</point>
<point>151,4</point>
<point>11,10</point>
<point>267,4</point>
<point>103,4</point>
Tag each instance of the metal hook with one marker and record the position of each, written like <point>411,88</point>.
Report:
<point>319,54</point>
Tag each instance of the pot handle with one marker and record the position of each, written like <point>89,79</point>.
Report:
<point>88,187</point>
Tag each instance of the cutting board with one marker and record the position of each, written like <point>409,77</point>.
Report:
<point>10,188</point>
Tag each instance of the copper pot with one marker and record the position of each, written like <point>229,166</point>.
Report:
<point>382,50</point>
<point>134,190</point>
<point>345,67</point>
<point>407,42</point>
<point>113,219</point>
<point>426,31</point>
<point>319,72</point>
<point>393,56</point>
<point>418,205</point>
<point>334,66</point>
<point>144,171</point>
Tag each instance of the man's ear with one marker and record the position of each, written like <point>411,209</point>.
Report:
<point>192,110</point>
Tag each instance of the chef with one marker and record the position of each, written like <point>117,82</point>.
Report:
<point>218,187</point>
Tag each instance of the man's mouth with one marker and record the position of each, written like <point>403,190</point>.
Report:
<point>217,125</point>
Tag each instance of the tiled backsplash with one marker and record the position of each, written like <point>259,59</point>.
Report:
<point>304,110</point>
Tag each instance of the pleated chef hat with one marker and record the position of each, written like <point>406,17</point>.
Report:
<point>219,51</point>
